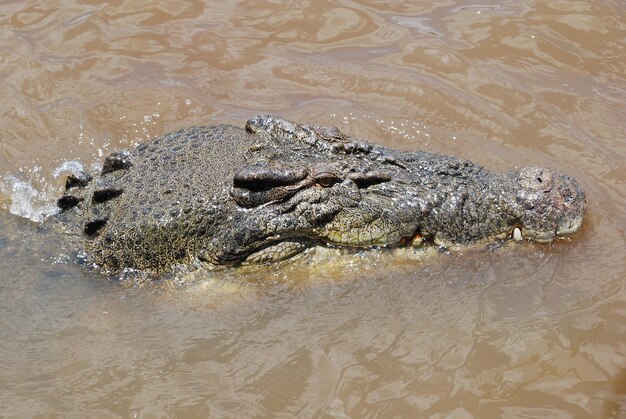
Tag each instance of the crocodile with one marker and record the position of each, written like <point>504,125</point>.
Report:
<point>225,195</point>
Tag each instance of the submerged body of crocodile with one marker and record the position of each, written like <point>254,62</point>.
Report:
<point>224,195</point>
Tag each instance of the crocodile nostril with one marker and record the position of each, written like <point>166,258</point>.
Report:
<point>539,180</point>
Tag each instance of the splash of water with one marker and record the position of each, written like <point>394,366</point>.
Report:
<point>72,166</point>
<point>29,201</point>
<point>26,201</point>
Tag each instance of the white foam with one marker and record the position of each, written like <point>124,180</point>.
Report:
<point>72,166</point>
<point>35,203</point>
<point>26,201</point>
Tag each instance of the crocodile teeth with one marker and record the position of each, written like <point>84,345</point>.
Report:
<point>517,234</point>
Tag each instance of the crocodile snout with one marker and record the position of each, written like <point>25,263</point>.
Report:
<point>550,204</point>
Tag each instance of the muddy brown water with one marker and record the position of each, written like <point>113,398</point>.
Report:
<point>524,330</point>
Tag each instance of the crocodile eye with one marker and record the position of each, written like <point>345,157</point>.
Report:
<point>326,179</point>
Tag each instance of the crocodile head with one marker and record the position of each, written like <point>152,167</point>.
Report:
<point>225,196</point>
<point>311,186</point>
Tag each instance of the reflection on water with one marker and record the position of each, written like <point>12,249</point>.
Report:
<point>521,331</point>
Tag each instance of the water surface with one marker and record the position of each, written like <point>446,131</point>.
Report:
<point>525,330</point>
